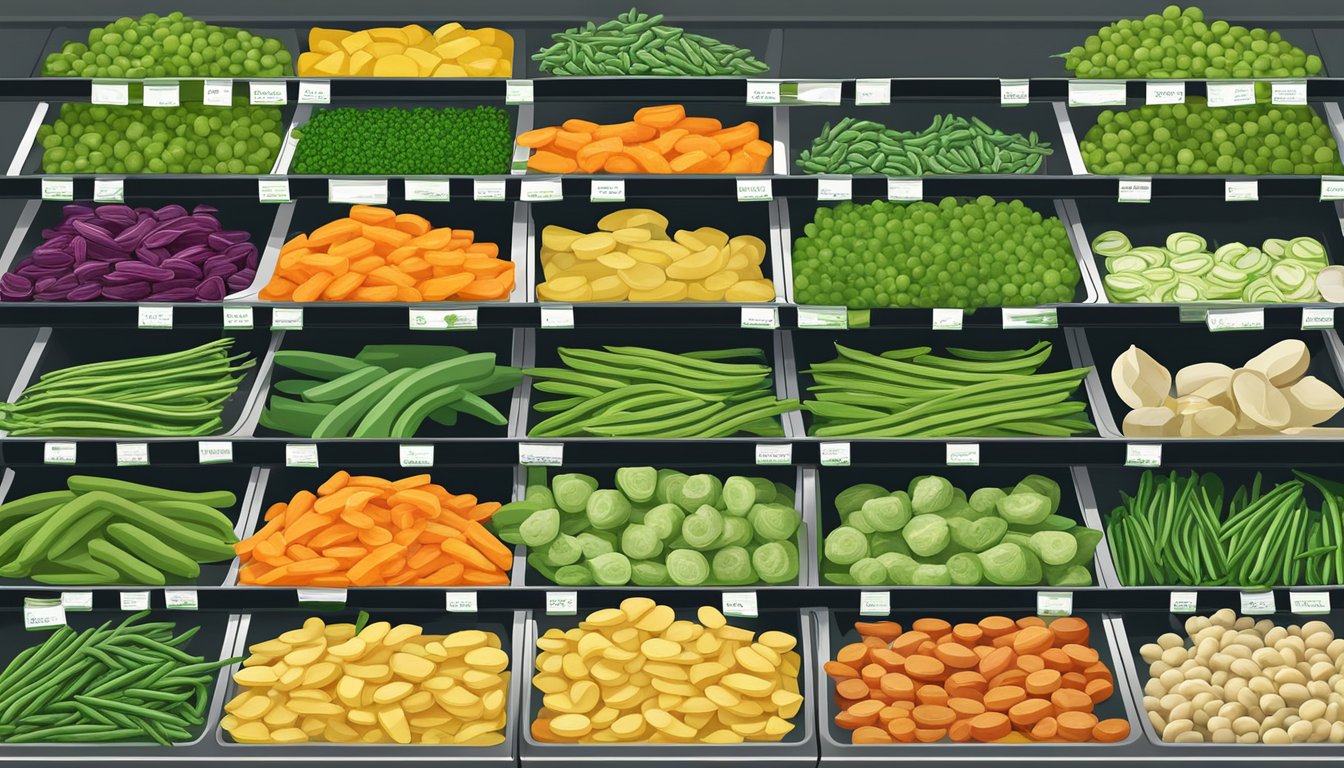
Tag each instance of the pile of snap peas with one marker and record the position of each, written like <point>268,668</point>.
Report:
<point>636,43</point>
<point>131,682</point>
<point>640,392</point>
<point>951,144</point>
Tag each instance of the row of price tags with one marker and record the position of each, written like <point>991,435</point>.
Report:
<point>1140,190</point>
<point>867,92</point>
<point>944,319</point>
<point>214,93</point>
<point>1220,93</point>
<point>742,605</point>
<point>49,613</point>
<point>1260,603</point>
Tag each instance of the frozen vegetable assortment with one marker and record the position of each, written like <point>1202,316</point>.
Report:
<point>637,43</point>
<point>951,144</point>
<point>404,142</point>
<point>451,50</point>
<point>172,45</point>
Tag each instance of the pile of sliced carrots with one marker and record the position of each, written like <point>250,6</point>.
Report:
<point>660,139</point>
<point>363,531</point>
<point>376,254</point>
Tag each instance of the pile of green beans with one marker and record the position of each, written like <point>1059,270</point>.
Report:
<point>639,392</point>
<point>951,144</point>
<point>636,43</point>
<point>969,393</point>
<point>179,394</point>
<point>1176,531</point>
<point>132,682</point>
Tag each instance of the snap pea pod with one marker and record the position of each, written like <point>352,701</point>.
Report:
<point>951,144</point>
<point>637,43</point>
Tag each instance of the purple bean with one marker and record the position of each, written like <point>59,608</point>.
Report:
<point>182,267</point>
<point>91,271</point>
<point>95,234</point>
<point>50,259</point>
<point>206,221</point>
<point>122,214</point>
<point>163,236</point>
<point>15,283</point>
<point>219,268</point>
<point>131,236</point>
<point>203,208</point>
<point>71,210</point>
<point>241,280</point>
<point>169,212</point>
<point>195,254</point>
<point>152,256</point>
<point>127,292</point>
<point>213,289</point>
<point>85,292</point>
<point>192,238</point>
<point>144,271</point>
<point>222,240</point>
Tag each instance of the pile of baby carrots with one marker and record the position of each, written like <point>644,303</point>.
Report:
<point>363,531</point>
<point>660,139</point>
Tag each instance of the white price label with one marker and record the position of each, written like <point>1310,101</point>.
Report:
<point>134,601</point>
<point>39,613</point>
<point>868,92</point>
<point>1096,93</point>
<point>161,94</point>
<point>754,190</point>
<point>463,319</point>
<point>1014,93</point>
<point>58,453</point>
<point>1135,191</point>
<point>1143,455</point>
<point>1252,319</point>
<point>1258,603</point>
<point>963,454</point>
<point>491,190</point>
<point>834,454</point>
<point>273,190</point>
<point>1231,93</point>
<point>774,454</point>
<point>460,602</point>
<point>1165,92</point>
<point>518,92</point>
<point>109,190</point>
<point>266,92</point>
<point>1241,191</point>
<point>948,319</point>
<point>1318,318</point>
<point>835,188</point>
<point>77,601</point>
<point>762,92</point>
<point>905,190</point>
<point>321,595</point>
<point>1030,317</point>
<point>833,318</point>
<point>357,191</point>
<point>113,94</point>
<point>287,319</point>
<point>1309,602</point>
<point>214,452</point>
<point>428,190</point>
<point>541,454</point>
<point>238,317</point>
<point>1332,188</point>
<point>764,318</point>
<point>819,92</point>
<point>541,190</point>
<point>218,93</point>
<point>155,317</point>
<point>562,603</point>
<point>301,455</point>
<point>1184,602</point>
<point>314,91</point>
<point>874,603</point>
<point>740,604</point>
<point>557,317</point>
<point>1054,603</point>
<point>132,454</point>
<point>1288,93</point>
<point>607,191</point>
<point>415,455</point>
<point>180,599</point>
<point>58,189</point>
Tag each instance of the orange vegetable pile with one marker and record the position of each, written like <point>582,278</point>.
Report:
<point>376,254</point>
<point>660,139</point>
<point>995,681</point>
<point>361,531</point>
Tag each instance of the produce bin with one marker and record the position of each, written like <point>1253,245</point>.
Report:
<point>57,348</point>
<point>1178,346</point>
<point>763,42</point>
<point>686,213</point>
<point>799,746</point>
<point>258,627</point>
<point>830,481</point>
<point>60,35</point>
<point>800,479</point>
<point>835,629</point>
<point>348,341</point>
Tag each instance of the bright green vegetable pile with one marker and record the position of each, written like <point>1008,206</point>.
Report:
<point>978,253</point>
<point>387,390</point>
<point>1194,138</point>
<point>657,527</point>
<point>391,140</point>
<point>636,43</point>
<point>639,392</point>
<point>1186,270</point>
<point>932,534</point>
<point>1178,530</point>
<point>106,531</point>
<point>132,682</point>
<point>192,138</point>
<point>968,393</point>
<point>1181,44</point>
<point>179,394</point>
<point>169,46</point>
<point>951,144</point>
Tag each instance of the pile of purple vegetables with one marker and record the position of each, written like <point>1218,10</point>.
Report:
<point>120,253</point>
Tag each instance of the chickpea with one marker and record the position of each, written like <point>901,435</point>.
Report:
<point>1243,622</point>
<point>1300,731</point>
<point>1245,668</point>
<point>1320,730</point>
<point>1248,738</point>
<point>1223,736</point>
<point>1159,723</point>
<point>1336,732</point>
<point>1170,640</point>
<point>1231,710</point>
<point>1313,709</point>
<point>1150,652</point>
<point>1244,724</point>
<point>1190,737</point>
<point>1291,694</point>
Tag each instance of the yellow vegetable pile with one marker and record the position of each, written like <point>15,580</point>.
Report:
<point>409,51</point>
<point>637,674</point>
<point>382,684</point>
<point>632,258</point>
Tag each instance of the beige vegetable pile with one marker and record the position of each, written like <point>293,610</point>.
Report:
<point>1269,395</point>
<point>1238,680</point>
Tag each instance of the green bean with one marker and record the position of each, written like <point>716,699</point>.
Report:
<point>613,46</point>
